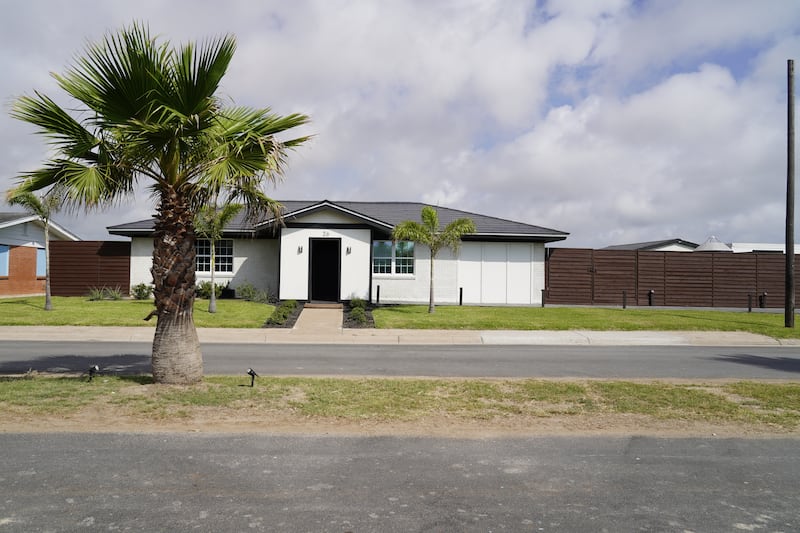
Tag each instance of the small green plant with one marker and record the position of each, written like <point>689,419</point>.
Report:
<point>141,291</point>
<point>204,290</point>
<point>358,314</point>
<point>105,293</point>
<point>246,291</point>
<point>282,313</point>
<point>358,303</point>
<point>113,293</point>
<point>96,293</point>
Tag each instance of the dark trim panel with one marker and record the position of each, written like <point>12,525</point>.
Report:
<point>321,225</point>
<point>512,238</point>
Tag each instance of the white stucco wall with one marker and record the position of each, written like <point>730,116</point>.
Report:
<point>255,261</point>
<point>502,273</point>
<point>294,263</point>
<point>141,260</point>
<point>489,273</point>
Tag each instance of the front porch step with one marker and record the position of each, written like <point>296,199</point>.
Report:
<point>323,305</point>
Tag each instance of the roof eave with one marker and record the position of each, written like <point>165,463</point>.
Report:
<point>530,237</point>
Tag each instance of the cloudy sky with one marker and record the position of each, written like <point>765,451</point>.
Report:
<point>617,121</point>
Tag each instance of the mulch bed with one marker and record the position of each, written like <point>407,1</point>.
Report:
<point>290,320</point>
<point>349,323</point>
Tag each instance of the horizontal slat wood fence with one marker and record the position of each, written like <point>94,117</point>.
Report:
<point>78,266</point>
<point>574,276</point>
<point>578,276</point>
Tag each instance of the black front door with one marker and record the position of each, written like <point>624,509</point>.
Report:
<point>325,266</point>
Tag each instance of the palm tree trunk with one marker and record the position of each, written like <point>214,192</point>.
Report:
<point>212,299</point>
<point>431,304</point>
<point>176,354</point>
<point>48,302</point>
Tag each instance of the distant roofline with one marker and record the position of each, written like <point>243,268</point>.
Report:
<point>25,217</point>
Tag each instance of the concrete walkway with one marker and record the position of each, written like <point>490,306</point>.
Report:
<point>324,326</point>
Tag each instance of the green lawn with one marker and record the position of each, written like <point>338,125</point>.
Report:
<point>78,311</point>
<point>589,318</point>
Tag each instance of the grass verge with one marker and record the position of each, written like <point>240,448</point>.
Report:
<point>571,318</point>
<point>772,407</point>
<point>78,311</point>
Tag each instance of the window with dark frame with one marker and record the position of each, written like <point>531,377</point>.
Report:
<point>392,258</point>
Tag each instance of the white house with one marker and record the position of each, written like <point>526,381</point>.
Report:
<point>22,255</point>
<point>334,251</point>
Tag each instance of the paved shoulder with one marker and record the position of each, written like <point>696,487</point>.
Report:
<point>401,336</point>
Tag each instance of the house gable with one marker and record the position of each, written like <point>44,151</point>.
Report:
<point>22,247</point>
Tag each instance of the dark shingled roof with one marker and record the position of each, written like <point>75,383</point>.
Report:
<point>382,216</point>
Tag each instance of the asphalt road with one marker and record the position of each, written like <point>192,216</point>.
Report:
<point>180,482</point>
<point>683,362</point>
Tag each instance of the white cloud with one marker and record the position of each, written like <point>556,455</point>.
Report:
<point>616,121</point>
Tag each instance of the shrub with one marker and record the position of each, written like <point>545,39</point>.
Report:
<point>282,313</point>
<point>204,290</point>
<point>247,291</point>
<point>358,314</point>
<point>358,303</point>
<point>141,291</point>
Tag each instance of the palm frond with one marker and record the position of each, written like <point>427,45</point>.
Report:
<point>210,221</point>
<point>64,132</point>
<point>452,233</point>
<point>430,219</point>
<point>198,73</point>
<point>28,201</point>
<point>410,230</point>
<point>119,78</point>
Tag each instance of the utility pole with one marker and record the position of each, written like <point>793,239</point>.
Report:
<point>789,299</point>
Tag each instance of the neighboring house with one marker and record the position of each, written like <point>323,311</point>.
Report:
<point>22,256</point>
<point>668,245</point>
<point>334,251</point>
<point>761,247</point>
<point>713,244</point>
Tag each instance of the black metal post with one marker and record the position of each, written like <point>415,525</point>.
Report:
<point>789,296</point>
<point>544,293</point>
<point>378,295</point>
<point>650,294</point>
<point>461,296</point>
<point>624,299</point>
<point>749,302</point>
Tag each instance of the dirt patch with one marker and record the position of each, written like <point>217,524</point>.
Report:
<point>114,418</point>
<point>500,408</point>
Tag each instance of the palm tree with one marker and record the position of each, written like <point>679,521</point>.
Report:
<point>429,234</point>
<point>209,223</point>
<point>43,208</point>
<point>148,111</point>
